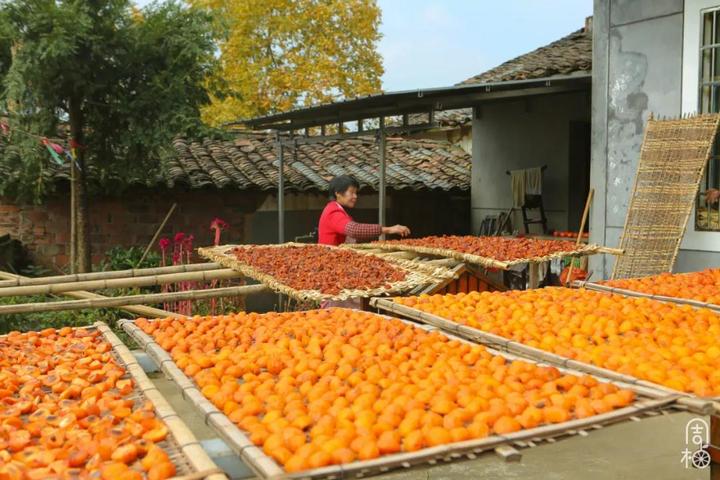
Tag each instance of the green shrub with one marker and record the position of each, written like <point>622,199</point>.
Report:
<point>123,258</point>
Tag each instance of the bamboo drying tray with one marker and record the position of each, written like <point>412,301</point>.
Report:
<point>186,453</point>
<point>649,402</point>
<point>415,274</point>
<point>632,293</point>
<point>483,261</point>
<point>693,403</point>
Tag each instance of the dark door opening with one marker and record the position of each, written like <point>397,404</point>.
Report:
<point>578,172</point>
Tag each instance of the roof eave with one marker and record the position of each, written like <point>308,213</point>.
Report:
<point>416,101</point>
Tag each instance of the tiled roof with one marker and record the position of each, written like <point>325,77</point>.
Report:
<point>445,118</point>
<point>453,118</point>
<point>250,161</point>
<point>569,55</point>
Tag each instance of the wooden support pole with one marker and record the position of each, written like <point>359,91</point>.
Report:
<point>382,147</point>
<point>18,281</point>
<point>591,193</point>
<point>281,190</point>
<point>73,217</point>
<point>147,281</point>
<point>142,310</point>
<point>111,302</point>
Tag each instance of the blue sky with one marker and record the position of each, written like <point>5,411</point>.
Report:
<point>436,43</point>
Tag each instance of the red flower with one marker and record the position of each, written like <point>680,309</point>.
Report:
<point>179,237</point>
<point>218,223</point>
<point>187,242</point>
<point>164,243</point>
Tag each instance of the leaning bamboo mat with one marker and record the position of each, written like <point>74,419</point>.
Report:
<point>632,293</point>
<point>583,250</point>
<point>649,402</point>
<point>185,452</point>
<point>691,402</point>
<point>416,274</point>
<point>673,158</point>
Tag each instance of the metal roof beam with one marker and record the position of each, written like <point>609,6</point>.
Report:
<point>399,103</point>
<point>410,106</point>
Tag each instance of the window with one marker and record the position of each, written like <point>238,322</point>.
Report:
<point>707,208</point>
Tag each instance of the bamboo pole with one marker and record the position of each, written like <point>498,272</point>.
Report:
<point>611,251</point>
<point>157,233</point>
<point>142,310</point>
<point>110,302</point>
<point>146,281</point>
<point>591,193</point>
<point>18,281</point>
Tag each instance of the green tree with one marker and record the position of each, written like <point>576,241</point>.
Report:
<point>279,54</point>
<point>119,81</point>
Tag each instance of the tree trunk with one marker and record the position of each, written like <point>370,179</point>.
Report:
<point>82,225</point>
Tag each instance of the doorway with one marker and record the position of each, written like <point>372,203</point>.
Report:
<point>578,172</point>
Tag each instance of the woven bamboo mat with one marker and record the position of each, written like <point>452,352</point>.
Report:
<point>696,404</point>
<point>581,251</point>
<point>649,402</point>
<point>190,460</point>
<point>416,275</point>
<point>673,157</point>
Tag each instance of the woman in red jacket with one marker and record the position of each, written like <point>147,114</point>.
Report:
<point>337,226</point>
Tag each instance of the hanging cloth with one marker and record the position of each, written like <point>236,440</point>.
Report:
<point>518,184</point>
<point>533,181</point>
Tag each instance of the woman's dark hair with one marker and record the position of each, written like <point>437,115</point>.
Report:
<point>341,183</point>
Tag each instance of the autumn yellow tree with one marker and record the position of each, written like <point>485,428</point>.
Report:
<point>280,54</point>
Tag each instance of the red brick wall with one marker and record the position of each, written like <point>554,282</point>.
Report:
<point>128,220</point>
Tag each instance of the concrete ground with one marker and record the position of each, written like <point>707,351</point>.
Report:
<point>649,449</point>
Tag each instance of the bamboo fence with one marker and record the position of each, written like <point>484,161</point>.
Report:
<point>693,403</point>
<point>150,298</point>
<point>632,293</point>
<point>581,251</point>
<point>142,310</point>
<point>186,453</point>
<point>130,282</point>
<point>673,158</point>
<point>415,275</point>
<point>649,403</point>
<point>19,281</point>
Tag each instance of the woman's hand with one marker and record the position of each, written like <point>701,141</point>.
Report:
<point>401,230</point>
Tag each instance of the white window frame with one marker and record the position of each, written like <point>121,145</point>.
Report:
<point>692,31</point>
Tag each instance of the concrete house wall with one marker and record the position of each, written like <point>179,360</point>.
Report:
<point>638,66</point>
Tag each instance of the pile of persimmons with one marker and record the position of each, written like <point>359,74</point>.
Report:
<point>703,286</point>
<point>332,386</point>
<point>672,345</point>
<point>65,412</point>
<point>315,267</point>
<point>498,248</point>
